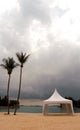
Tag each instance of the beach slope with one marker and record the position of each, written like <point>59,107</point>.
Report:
<point>30,121</point>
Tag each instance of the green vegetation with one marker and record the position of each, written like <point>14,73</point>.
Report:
<point>4,102</point>
<point>76,103</point>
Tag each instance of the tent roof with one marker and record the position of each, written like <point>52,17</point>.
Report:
<point>56,97</point>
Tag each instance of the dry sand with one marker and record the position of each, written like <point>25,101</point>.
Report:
<point>30,121</point>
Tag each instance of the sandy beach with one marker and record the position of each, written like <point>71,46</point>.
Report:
<point>30,121</point>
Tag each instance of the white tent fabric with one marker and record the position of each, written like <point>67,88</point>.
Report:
<point>57,99</point>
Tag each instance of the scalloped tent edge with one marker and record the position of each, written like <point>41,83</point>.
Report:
<point>57,99</point>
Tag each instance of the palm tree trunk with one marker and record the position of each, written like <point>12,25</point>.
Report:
<point>8,91</point>
<point>18,91</point>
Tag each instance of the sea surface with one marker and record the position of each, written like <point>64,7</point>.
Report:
<point>36,106</point>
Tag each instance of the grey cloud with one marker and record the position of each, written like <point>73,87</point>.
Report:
<point>59,12</point>
<point>35,10</point>
<point>48,74</point>
<point>55,66</point>
<point>11,41</point>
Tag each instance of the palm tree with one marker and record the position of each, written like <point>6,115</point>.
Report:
<point>22,58</point>
<point>9,64</point>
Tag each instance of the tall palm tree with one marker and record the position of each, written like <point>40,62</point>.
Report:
<point>9,64</point>
<point>22,58</point>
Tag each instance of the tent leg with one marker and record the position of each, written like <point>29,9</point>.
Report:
<point>45,109</point>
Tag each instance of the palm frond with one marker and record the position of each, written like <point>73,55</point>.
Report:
<point>4,66</point>
<point>9,64</point>
<point>22,57</point>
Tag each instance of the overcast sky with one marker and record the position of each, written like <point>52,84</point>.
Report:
<point>50,31</point>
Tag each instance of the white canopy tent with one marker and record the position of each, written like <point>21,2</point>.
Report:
<point>57,99</point>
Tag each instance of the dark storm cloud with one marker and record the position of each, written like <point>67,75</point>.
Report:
<point>60,70</point>
<point>56,61</point>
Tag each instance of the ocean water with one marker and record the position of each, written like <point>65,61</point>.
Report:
<point>35,106</point>
<point>38,109</point>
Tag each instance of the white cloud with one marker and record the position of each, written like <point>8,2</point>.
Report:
<point>50,31</point>
<point>7,5</point>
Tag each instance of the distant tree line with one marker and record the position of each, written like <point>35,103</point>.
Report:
<point>4,102</point>
<point>76,103</point>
